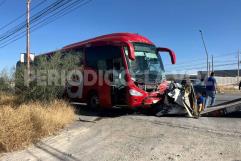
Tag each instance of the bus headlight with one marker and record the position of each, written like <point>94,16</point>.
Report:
<point>134,92</point>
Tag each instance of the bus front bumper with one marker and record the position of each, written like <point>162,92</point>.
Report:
<point>150,101</point>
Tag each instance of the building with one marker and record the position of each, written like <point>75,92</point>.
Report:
<point>221,73</point>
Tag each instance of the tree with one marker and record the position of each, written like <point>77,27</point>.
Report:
<point>44,66</point>
<point>5,80</point>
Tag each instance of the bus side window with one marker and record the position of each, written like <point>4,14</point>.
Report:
<point>101,57</point>
<point>91,57</point>
<point>101,64</point>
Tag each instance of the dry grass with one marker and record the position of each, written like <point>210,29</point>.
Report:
<point>20,126</point>
<point>228,89</point>
<point>7,99</point>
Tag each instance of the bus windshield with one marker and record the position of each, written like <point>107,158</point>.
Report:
<point>147,66</point>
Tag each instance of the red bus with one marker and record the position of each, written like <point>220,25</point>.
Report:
<point>136,75</point>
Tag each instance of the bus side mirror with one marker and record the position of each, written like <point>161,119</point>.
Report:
<point>131,51</point>
<point>171,53</point>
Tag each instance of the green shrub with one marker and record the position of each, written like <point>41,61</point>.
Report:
<point>6,80</point>
<point>58,63</point>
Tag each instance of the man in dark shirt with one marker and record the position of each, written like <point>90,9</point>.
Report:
<point>211,87</point>
<point>239,85</point>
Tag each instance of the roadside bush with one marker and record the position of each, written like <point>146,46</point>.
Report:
<point>46,90</point>
<point>8,99</point>
<point>30,122</point>
<point>6,78</point>
<point>3,85</point>
<point>35,111</point>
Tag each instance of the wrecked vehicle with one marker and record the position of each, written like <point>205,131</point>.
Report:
<point>125,70</point>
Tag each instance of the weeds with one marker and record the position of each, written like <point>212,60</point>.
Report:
<point>20,126</point>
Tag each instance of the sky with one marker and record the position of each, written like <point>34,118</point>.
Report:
<point>168,23</point>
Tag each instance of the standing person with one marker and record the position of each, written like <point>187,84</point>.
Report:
<point>211,87</point>
<point>239,85</point>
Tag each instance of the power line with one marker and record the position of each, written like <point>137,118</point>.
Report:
<point>203,66</point>
<point>224,55</point>
<point>21,26</point>
<point>221,61</point>
<point>222,65</point>
<point>184,65</point>
<point>54,17</point>
<point>47,20</point>
<point>14,39</point>
<point>188,69</point>
<point>51,8</point>
<point>61,14</point>
<point>202,59</point>
<point>194,64</point>
<point>22,15</point>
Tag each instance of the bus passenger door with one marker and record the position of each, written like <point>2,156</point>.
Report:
<point>96,60</point>
<point>118,84</point>
<point>104,88</point>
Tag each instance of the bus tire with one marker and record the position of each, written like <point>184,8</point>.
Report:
<point>94,101</point>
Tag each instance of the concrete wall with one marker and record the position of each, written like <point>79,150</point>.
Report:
<point>222,73</point>
<point>226,80</point>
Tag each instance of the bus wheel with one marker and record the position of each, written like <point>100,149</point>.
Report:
<point>94,101</point>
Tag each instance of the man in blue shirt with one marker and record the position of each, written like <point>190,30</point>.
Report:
<point>211,87</point>
<point>200,102</point>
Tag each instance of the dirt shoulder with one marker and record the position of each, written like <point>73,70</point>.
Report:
<point>140,138</point>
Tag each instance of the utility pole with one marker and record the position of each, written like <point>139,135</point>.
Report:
<point>238,65</point>
<point>205,51</point>
<point>212,64</point>
<point>209,66</point>
<point>28,38</point>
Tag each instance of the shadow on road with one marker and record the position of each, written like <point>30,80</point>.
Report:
<point>113,112</point>
<point>53,152</point>
<point>234,115</point>
<point>104,113</point>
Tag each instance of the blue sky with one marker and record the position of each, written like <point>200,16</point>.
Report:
<point>168,23</point>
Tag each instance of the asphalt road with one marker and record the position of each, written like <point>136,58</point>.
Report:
<point>221,98</point>
<point>115,135</point>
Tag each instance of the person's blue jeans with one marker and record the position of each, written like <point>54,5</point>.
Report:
<point>210,95</point>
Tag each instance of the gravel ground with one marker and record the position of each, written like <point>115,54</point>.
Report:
<point>140,138</point>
